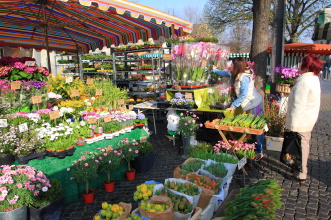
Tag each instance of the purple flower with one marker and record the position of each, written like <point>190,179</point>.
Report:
<point>141,116</point>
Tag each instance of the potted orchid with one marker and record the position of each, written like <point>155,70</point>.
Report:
<point>129,150</point>
<point>219,97</point>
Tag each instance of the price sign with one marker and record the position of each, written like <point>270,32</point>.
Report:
<point>30,63</point>
<point>121,102</point>
<point>54,114</point>
<point>143,139</point>
<point>75,92</point>
<point>178,88</point>
<point>167,57</point>
<point>188,95</point>
<point>89,81</point>
<point>130,107</point>
<point>107,118</point>
<point>3,123</point>
<point>98,92</point>
<point>123,109</point>
<point>15,85</point>
<point>242,163</point>
<point>23,127</point>
<point>92,120</point>
<point>69,79</point>
<point>193,142</point>
<point>36,99</point>
<point>204,63</point>
<point>109,149</point>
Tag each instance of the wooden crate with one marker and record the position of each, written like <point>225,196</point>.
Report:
<point>239,129</point>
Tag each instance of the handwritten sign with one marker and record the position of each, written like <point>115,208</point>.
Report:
<point>107,118</point>
<point>130,107</point>
<point>23,127</point>
<point>3,123</point>
<point>178,88</point>
<point>167,57</point>
<point>15,85</point>
<point>98,92</point>
<point>123,109</point>
<point>143,139</point>
<point>75,92</point>
<point>36,99</point>
<point>89,81</point>
<point>242,163</point>
<point>69,79</point>
<point>54,114</point>
<point>109,149</point>
<point>204,63</point>
<point>121,102</point>
<point>92,120</point>
<point>30,63</point>
<point>188,95</point>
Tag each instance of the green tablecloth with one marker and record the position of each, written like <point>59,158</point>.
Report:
<point>56,168</point>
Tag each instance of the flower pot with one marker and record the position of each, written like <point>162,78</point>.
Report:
<point>250,161</point>
<point>130,175</point>
<point>7,159</point>
<point>186,144</point>
<point>144,163</point>
<point>109,185</point>
<point>51,211</point>
<point>219,106</point>
<point>19,213</point>
<point>88,197</point>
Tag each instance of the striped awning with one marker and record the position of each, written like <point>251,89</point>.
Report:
<point>323,25</point>
<point>83,25</point>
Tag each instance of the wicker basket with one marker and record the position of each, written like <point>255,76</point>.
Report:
<point>283,88</point>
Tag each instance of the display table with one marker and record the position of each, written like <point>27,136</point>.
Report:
<point>57,168</point>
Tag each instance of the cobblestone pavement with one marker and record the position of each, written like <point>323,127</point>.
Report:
<point>311,200</point>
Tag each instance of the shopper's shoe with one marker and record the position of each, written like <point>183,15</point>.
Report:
<point>259,156</point>
<point>302,181</point>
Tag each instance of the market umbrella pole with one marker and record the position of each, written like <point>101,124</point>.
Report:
<point>46,37</point>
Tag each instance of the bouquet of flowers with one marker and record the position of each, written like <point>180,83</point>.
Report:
<point>286,75</point>
<point>243,149</point>
<point>188,125</point>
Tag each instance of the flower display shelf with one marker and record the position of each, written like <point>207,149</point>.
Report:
<point>26,159</point>
<point>191,87</point>
<point>61,154</point>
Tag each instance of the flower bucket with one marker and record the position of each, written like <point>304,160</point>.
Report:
<point>7,159</point>
<point>19,213</point>
<point>88,198</point>
<point>51,211</point>
<point>130,175</point>
<point>109,185</point>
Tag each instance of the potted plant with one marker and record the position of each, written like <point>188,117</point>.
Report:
<point>140,120</point>
<point>129,150</point>
<point>84,170</point>
<point>109,160</point>
<point>49,204</point>
<point>8,140</point>
<point>219,97</point>
<point>145,161</point>
<point>19,186</point>
<point>284,78</point>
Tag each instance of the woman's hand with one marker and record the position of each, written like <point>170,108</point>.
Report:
<point>230,109</point>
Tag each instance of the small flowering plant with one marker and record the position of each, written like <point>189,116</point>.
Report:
<point>141,119</point>
<point>129,150</point>
<point>188,124</point>
<point>286,75</point>
<point>85,168</point>
<point>20,185</point>
<point>243,149</point>
<point>110,159</point>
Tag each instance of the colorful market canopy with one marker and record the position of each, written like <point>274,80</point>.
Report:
<point>320,49</point>
<point>323,25</point>
<point>83,25</point>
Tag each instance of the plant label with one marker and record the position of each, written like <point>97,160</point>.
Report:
<point>188,95</point>
<point>3,123</point>
<point>109,149</point>
<point>204,63</point>
<point>89,81</point>
<point>123,109</point>
<point>15,85</point>
<point>242,162</point>
<point>30,63</point>
<point>130,107</point>
<point>69,79</point>
<point>143,139</point>
<point>23,127</point>
<point>92,120</point>
<point>121,102</point>
<point>74,92</point>
<point>167,57</point>
<point>98,92</point>
<point>178,88</point>
<point>36,99</point>
<point>54,114</point>
<point>107,118</point>
<point>193,142</point>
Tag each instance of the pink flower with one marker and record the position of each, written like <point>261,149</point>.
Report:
<point>19,185</point>
<point>86,164</point>
<point>35,193</point>
<point>105,154</point>
<point>2,197</point>
<point>68,169</point>
<point>136,151</point>
<point>130,150</point>
<point>181,114</point>
<point>201,125</point>
<point>194,116</point>
<point>96,161</point>
<point>185,124</point>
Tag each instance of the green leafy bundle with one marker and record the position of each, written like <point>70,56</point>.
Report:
<point>217,169</point>
<point>185,188</point>
<point>191,166</point>
<point>246,121</point>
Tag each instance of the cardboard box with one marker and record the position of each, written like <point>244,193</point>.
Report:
<point>274,143</point>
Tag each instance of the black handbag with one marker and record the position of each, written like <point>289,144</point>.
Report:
<point>291,154</point>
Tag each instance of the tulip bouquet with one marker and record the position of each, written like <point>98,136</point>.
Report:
<point>243,149</point>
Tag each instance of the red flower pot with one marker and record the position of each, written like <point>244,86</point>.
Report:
<point>109,185</point>
<point>98,134</point>
<point>88,198</point>
<point>130,174</point>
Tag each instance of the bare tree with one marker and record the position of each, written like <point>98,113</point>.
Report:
<point>239,40</point>
<point>192,14</point>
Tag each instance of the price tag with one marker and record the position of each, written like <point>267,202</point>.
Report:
<point>30,63</point>
<point>54,114</point>
<point>188,95</point>
<point>75,92</point>
<point>69,79</point>
<point>3,123</point>
<point>242,162</point>
<point>123,109</point>
<point>98,92</point>
<point>178,88</point>
<point>89,81</point>
<point>167,57</point>
<point>121,102</point>
<point>23,127</point>
<point>109,149</point>
<point>143,139</point>
<point>15,85</point>
<point>107,118</point>
<point>36,99</point>
<point>92,120</point>
<point>130,107</point>
<point>204,63</point>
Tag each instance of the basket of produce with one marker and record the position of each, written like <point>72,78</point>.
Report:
<point>189,165</point>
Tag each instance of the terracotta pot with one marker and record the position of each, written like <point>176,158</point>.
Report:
<point>98,134</point>
<point>88,198</point>
<point>130,175</point>
<point>109,185</point>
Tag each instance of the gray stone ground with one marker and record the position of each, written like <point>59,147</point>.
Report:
<point>311,200</point>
